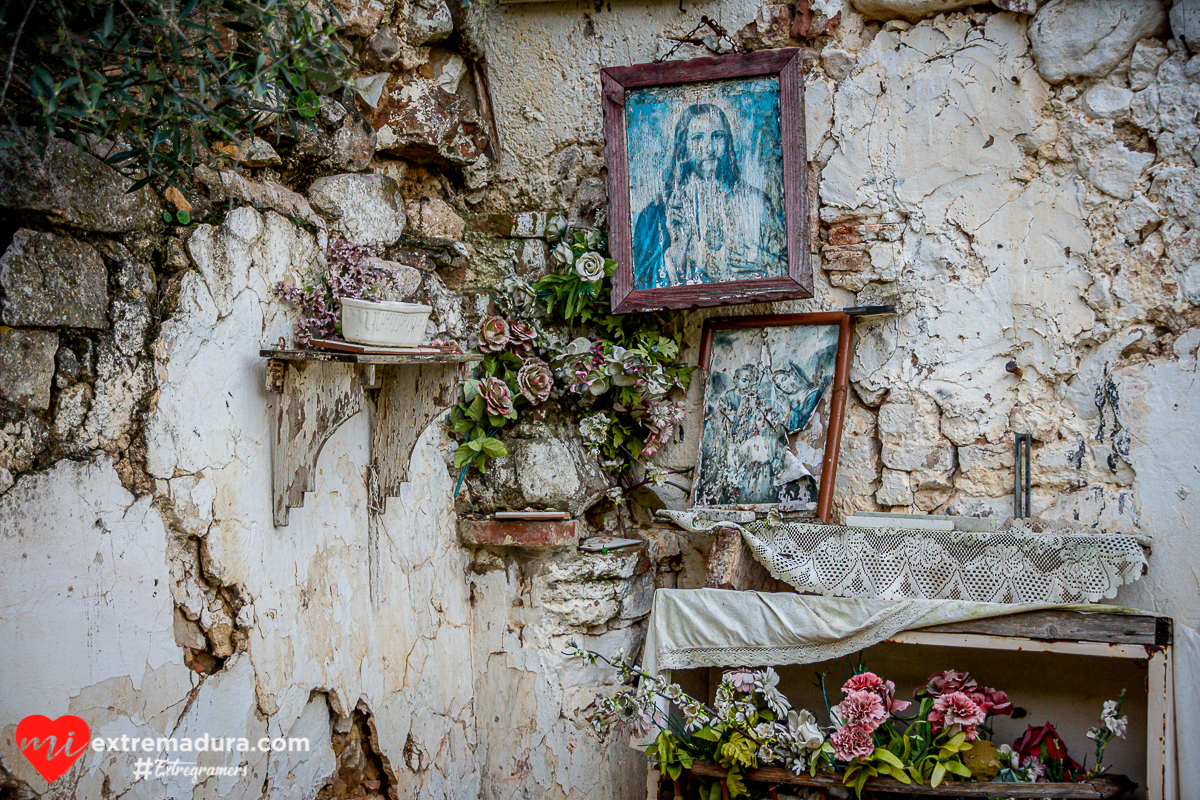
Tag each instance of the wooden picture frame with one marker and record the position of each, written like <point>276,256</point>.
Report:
<point>769,382</point>
<point>707,181</point>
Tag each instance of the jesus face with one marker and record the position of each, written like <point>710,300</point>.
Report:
<point>707,144</point>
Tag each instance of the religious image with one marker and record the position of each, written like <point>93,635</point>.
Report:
<point>766,416</point>
<point>706,182</point>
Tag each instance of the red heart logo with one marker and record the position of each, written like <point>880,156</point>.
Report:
<point>50,744</point>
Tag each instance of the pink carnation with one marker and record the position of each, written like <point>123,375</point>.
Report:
<point>886,690</point>
<point>863,709</point>
<point>948,681</point>
<point>852,742</point>
<point>992,701</point>
<point>956,708</point>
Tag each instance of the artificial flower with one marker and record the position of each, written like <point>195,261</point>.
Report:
<point>497,396</point>
<point>563,255</point>
<point>851,742</point>
<point>741,680</point>
<point>590,267</point>
<point>862,709</point>
<point>556,226</point>
<point>523,334</point>
<point>535,381</point>
<point>494,334</point>
<point>594,429</point>
<point>957,708</point>
<point>803,728</point>
<point>768,684</point>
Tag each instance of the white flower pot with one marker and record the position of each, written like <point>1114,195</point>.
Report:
<point>384,324</point>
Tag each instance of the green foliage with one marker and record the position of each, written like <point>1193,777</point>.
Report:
<point>613,377</point>
<point>161,79</point>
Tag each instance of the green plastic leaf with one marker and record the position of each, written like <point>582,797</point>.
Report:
<point>308,104</point>
<point>939,775</point>
<point>463,455</point>
<point>493,447</point>
<point>957,768</point>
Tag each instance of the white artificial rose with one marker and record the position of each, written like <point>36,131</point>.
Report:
<point>590,266</point>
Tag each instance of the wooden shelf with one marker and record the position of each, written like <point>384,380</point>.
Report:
<point>380,359</point>
<point>1097,788</point>
<point>401,393</point>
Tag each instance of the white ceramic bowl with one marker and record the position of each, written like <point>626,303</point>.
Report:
<point>382,323</point>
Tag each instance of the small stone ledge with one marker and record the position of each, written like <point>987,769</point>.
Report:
<point>519,533</point>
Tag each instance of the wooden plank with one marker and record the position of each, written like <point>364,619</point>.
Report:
<point>314,402</point>
<point>409,398</point>
<point>989,642</point>
<point>1062,626</point>
<point>1109,786</point>
<point>370,358</point>
<point>1160,723</point>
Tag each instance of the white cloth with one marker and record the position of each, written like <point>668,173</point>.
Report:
<point>1183,782</point>
<point>1011,566</point>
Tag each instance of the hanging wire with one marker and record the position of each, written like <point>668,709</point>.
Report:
<point>691,38</point>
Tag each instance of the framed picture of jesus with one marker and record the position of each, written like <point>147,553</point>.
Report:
<point>707,181</point>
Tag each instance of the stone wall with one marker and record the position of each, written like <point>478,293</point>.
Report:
<point>1023,187</point>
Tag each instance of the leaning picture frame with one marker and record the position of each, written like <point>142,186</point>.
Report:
<point>774,399</point>
<point>707,181</point>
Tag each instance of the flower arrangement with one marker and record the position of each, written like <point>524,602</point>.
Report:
<point>751,724</point>
<point>354,271</point>
<point>555,340</point>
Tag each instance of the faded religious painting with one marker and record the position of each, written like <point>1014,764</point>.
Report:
<point>766,416</point>
<point>706,182</point>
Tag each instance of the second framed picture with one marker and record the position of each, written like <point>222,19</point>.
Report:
<point>707,181</point>
<point>774,398</point>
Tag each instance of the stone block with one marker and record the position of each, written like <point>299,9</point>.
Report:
<point>54,281</point>
<point>435,218</point>
<point>846,260</point>
<point>429,21</point>
<point>353,145</point>
<point>911,10</point>
<point>1116,170</point>
<point>1107,102</point>
<point>27,366</point>
<point>895,489</point>
<point>1185,23</point>
<point>847,234</point>
<point>75,188</point>
<point>364,208</point>
<point>420,121</point>
<point>529,225</point>
<point>1088,38</point>
<point>637,596</point>
<point>521,533</point>
<point>533,259</point>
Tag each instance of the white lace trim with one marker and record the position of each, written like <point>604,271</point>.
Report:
<point>1034,563</point>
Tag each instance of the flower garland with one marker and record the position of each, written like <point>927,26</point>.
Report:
<point>555,341</point>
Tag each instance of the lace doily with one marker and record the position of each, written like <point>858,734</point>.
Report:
<point>1021,565</point>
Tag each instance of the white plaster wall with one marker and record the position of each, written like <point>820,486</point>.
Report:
<point>107,572</point>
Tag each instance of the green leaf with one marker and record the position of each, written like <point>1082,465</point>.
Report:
<point>476,409</point>
<point>463,455</point>
<point>939,774</point>
<point>183,217</point>
<point>957,768</point>
<point>884,755</point>
<point>308,104</point>
<point>707,733</point>
<point>167,216</point>
<point>463,425</point>
<point>494,447</point>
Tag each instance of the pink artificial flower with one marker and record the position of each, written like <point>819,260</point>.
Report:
<point>535,380</point>
<point>867,680</point>
<point>497,396</point>
<point>956,708</point>
<point>742,680</point>
<point>523,334</point>
<point>862,708</point>
<point>946,682</point>
<point>851,742</point>
<point>494,334</point>
<point>992,701</point>
<point>886,690</point>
